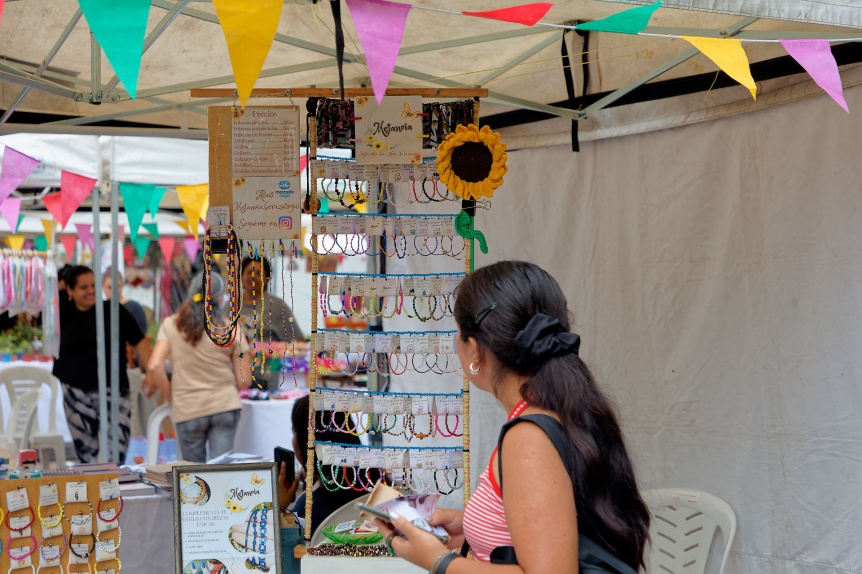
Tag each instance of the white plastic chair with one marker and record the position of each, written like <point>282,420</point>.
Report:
<point>154,428</point>
<point>683,525</point>
<point>142,406</point>
<point>22,418</point>
<point>20,380</point>
<point>343,514</point>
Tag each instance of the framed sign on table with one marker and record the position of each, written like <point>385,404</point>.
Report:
<point>226,519</point>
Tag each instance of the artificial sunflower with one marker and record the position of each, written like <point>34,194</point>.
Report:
<point>472,161</point>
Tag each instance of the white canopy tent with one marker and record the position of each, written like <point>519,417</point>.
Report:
<point>712,269</point>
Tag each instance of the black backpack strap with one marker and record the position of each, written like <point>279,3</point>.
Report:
<point>552,428</point>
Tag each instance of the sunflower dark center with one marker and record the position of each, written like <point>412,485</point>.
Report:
<point>472,161</point>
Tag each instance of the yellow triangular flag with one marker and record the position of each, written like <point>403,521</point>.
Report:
<point>249,29</point>
<point>184,225</point>
<point>205,208</point>
<point>15,241</point>
<point>48,224</point>
<point>192,198</point>
<point>727,55</point>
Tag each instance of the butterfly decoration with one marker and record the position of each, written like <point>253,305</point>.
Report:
<point>256,480</point>
<point>406,112</point>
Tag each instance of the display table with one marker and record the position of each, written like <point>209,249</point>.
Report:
<point>148,525</point>
<point>264,425</point>
<point>366,565</point>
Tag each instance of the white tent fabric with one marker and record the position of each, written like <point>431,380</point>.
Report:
<point>713,272</point>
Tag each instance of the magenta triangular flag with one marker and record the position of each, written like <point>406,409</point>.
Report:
<point>380,26</point>
<point>166,244</point>
<point>85,234</point>
<point>15,169</point>
<point>191,246</point>
<point>10,210</point>
<point>817,59</point>
<point>69,242</point>
<point>526,14</point>
<point>53,203</point>
<point>74,189</point>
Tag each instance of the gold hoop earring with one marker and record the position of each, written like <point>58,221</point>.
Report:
<point>474,370</point>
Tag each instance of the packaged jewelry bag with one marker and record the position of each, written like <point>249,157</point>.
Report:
<point>416,508</point>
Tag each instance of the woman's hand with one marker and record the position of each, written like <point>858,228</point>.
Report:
<point>286,492</point>
<point>452,522</point>
<point>416,546</point>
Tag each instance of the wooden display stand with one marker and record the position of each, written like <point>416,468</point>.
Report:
<point>32,487</point>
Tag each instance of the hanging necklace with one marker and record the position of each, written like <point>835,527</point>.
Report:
<point>221,336</point>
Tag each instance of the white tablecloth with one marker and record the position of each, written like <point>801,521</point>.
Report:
<point>44,410</point>
<point>264,425</point>
<point>366,565</point>
<point>148,534</point>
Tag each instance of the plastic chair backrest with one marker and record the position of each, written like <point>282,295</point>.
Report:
<point>19,380</point>
<point>343,514</point>
<point>683,525</point>
<point>23,417</point>
<point>154,428</point>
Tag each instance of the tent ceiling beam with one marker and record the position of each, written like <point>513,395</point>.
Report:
<point>166,21</point>
<point>187,134</point>
<point>728,32</point>
<point>751,34</point>
<point>13,75</point>
<point>165,106</point>
<point>44,65</point>
<point>348,92</point>
<point>521,58</point>
<point>493,97</point>
<point>95,70</point>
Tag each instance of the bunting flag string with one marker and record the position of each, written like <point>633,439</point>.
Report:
<point>48,225</point>
<point>137,199</point>
<point>629,21</point>
<point>41,243</point>
<point>15,169</point>
<point>53,204</point>
<point>11,209</point>
<point>167,245</point>
<point>142,244</point>
<point>526,14</point>
<point>191,245</point>
<point>15,241</point>
<point>192,198</point>
<point>74,189</point>
<point>156,200</point>
<point>85,234</point>
<point>120,27</point>
<point>380,27</point>
<point>249,29</point>
<point>153,230</point>
<point>728,55</point>
<point>815,57</point>
<point>69,242</point>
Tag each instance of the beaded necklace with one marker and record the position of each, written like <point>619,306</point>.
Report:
<point>221,336</point>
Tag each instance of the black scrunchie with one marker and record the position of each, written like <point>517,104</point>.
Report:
<point>544,337</point>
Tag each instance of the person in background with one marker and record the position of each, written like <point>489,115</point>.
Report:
<point>570,486</point>
<point>326,501</point>
<point>205,378</point>
<point>131,305</point>
<point>77,368</point>
<point>275,329</point>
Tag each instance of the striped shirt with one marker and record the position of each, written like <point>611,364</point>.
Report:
<point>485,525</point>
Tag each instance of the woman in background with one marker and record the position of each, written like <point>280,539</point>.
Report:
<point>77,365</point>
<point>205,379</point>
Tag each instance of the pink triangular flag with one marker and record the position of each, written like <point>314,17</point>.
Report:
<point>167,244</point>
<point>15,169</point>
<point>10,210</point>
<point>380,26</point>
<point>74,189</point>
<point>54,204</point>
<point>85,234</point>
<point>191,246</point>
<point>817,59</point>
<point>69,242</point>
<point>526,14</point>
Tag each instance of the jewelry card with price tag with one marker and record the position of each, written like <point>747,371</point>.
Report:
<point>106,520</point>
<point>456,405</point>
<point>106,570</point>
<point>408,344</point>
<point>395,459</point>
<point>457,459</point>
<point>374,225</point>
<point>318,401</point>
<point>339,456</point>
<point>17,499</point>
<point>20,556</point>
<point>109,489</point>
<point>49,495</point>
<point>417,459</point>
<point>444,459</point>
<point>341,402</point>
<point>51,531</point>
<point>442,405</point>
<point>367,403</point>
<point>420,405</point>
<point>354,455</point>
<point>381,405</point>
<point>371,173</point>
<point>322,284</point>
<point>447,344</point>
<point>354,172</point>
<point>365,456</point>
<point>325,453</point>
<point>355,403</point>
<point>50,555</point>
<point>105,550</point>
<point>408,173</point>
<point>357,343</point>
<point>330,400</point>
<point>81,523</point>
<point>359,286</point>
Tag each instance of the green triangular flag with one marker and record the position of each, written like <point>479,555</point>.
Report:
<point>153,229</point>
<point>120,27</point>
<point>41,243</point>
<point>136,199</point>
<point>628,22</point>
<point>141,245</point>
<point>156,200</point>
<point>20,219</point>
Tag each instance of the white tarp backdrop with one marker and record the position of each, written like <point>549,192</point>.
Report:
<point>714,273</point>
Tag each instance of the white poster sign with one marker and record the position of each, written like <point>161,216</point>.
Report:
<point>391,133</point>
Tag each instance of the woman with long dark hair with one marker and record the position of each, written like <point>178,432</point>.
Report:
<point>77,365</point>
<point>570,492</point>
<point>205,378</point>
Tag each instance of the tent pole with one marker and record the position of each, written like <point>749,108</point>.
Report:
<point>100,331</point>
<point>115,330</point>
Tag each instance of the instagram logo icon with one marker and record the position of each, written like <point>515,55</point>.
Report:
<point>285,222</point>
